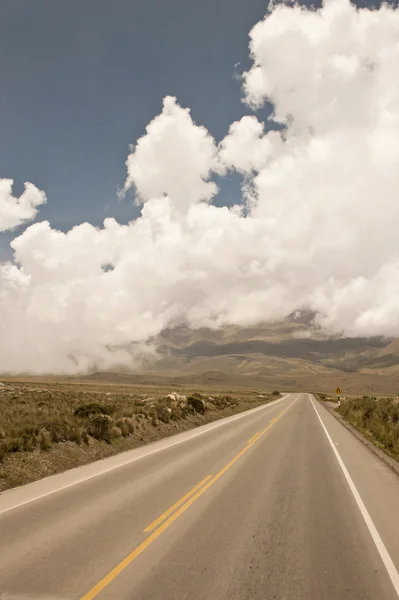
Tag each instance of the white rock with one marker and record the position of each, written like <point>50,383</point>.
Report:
<point>176,396</point>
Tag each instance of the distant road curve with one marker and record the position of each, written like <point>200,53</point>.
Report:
<point>280,502</point>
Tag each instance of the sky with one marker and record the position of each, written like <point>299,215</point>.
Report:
<point>209,163</point>
<point>81,80</point>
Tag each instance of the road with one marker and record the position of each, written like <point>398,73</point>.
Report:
<point>281,503</point>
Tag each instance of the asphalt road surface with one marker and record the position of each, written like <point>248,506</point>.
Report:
<point>303,510</point>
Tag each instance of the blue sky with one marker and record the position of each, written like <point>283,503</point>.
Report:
<point>81,79</point>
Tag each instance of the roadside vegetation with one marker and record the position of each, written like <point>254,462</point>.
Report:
<point>326,398</point>
<point>46,428</point>
<point>376,419</point>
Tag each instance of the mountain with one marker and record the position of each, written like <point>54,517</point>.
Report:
<point>288,355</point>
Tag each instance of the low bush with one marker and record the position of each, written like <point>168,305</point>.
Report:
<point>378,420</point>
<point>44,440</point>
<point>93,409</point>
<point>36,416</point>
<point>176,413</point>
<point>100,428</point>
<point>121,424</point>
<point>163,412</point>
<point>196,403</point>
<point>224,401</point>
<point>85,436</point>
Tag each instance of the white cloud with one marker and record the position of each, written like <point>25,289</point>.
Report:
<point>319,230</point>
<point>15,211</point>
<point>246,148</point>
<point>174,158</point>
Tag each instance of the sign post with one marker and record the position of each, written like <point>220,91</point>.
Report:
<point>338,392</point>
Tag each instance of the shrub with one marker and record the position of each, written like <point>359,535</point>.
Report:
<point>3,451</point>
<point>44,440</point>
<point>116,432</point>
<point>186,409</point>
<point>34,417</point>
<point>14,445</point>
<point>196,403</point>
<point>224,401</point>
<point>28,443</point>
<point>163,413</point>
<point>122,425</point>
<point>377,419</point>
<point>86,410</point>
<point>85,436</point>
<point>176,413</point>
<point>75,435</point>
<point>31,430</point>
<point>130,425</point>
<point>58,430</point>
<point>99,427</point>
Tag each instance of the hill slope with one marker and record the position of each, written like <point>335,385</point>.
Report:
<point>289,355</point>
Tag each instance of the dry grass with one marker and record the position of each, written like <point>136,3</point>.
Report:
<point>47,427</point>
<point>377,419</point>
<point>327,398</point>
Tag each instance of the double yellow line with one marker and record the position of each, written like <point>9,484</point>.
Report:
<point>170,510</point>
<point>254,437</point>
<point>157,527</point>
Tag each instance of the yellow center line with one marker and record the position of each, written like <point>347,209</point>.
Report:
<point>158,521</point>
<point>272,422</point>
<point>253,438</point>
<point>101,585</point>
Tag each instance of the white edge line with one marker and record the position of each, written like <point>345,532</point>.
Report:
<point>383,552</point>
<point>194,433</point>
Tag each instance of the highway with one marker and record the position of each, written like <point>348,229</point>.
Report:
<point>281,503</point>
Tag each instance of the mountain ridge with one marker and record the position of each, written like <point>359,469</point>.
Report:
<point>289,355</point>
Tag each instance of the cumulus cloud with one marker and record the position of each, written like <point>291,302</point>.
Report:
<point>16,211</point>
<point>174,158</point>
<point>317,229</point>
<point>246,148</point>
